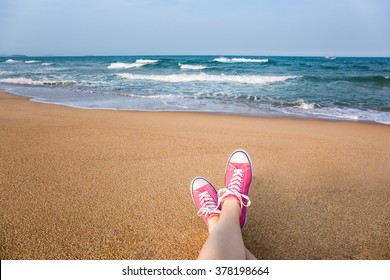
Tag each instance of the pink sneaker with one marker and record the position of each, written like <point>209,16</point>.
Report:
<point>205,198</point>
<point>238,178</point>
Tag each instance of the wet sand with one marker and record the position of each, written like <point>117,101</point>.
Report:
<point>100,184</point>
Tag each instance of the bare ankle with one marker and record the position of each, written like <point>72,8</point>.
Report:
<point>231,205</point>
<point>231,201</point>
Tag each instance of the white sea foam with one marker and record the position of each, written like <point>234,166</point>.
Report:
<point>192,67</point>
<point>241,59</point>
<point>334,113</point>
<point>305,106</point>
<point>11,61</point>
<point>163,96</point>
<point>298,104</point>
<point>28,81</point>
<point>137,63</point>
<point>202,77</point>
<point>46,64</point>
<point>31,61</point>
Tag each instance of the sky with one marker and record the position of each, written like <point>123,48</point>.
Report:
<point>195,27</point>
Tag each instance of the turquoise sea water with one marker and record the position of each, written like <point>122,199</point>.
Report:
<point>355,89</point>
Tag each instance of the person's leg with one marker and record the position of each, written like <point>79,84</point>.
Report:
<point>219,237</point>
<point>249,255</point>
<point>225,240</point>
<point>213,220</point>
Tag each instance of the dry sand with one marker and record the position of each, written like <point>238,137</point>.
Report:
<point>95,184</point>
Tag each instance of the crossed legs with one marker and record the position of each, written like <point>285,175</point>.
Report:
<point>224,212</point>
<point>225,230</point>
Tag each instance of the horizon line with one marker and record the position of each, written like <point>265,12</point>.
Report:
<point>222,55</point>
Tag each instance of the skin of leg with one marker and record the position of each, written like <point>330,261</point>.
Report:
<point>249,255</point>
<point>225,239</point>
<point>213,222</point>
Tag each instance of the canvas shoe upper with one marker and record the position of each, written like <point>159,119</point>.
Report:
<point>238,178</point>
<point>205,198</point>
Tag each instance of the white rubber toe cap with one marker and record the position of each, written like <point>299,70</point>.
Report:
<point>198,183</point>
<point>239,156</point>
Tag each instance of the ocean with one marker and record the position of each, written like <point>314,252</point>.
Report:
<point>342,88</point>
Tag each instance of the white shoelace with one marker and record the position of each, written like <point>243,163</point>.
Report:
<point>234,188</point>
<point>208,204</point>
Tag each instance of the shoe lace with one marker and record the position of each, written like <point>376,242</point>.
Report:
<point>235,187</point>
<point>208,205</point>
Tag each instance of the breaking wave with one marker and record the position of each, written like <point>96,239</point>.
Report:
<point>192,67</point>
<point>241,59</point>
<point>11,61</point>
<point>137,63</point>
<point>201,77</point>
<point>32,61</point>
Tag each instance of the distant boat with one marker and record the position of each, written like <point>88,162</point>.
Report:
<point>330,57</point>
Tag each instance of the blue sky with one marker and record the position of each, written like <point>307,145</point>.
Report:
<point>215,27</point>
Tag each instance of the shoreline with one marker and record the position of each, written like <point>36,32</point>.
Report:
<point>265,116</point>
<point>111,184</point>
<point>284,87</point>
<point>280,117</point>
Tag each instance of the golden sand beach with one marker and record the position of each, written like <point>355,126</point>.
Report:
<point>101,184</point>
